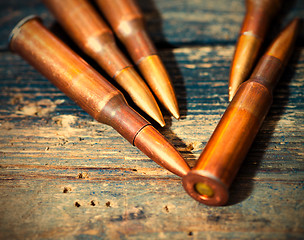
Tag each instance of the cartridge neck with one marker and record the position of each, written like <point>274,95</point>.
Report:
<point>128,23</point>
<point>134,36</point>
<point>117,11</point>
<point>104,51</point>
<point>268,72</point>
<point>258,16</point>
<point>268,5</point>
<point>126,121</point>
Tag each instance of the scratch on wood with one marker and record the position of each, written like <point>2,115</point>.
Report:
<point>16,166</point>
<point>40,108</point>
<point>83,175</point>
<point>135,213</point>
<point>66,189</point>
<point>190,146</point>
<point>65,121</point>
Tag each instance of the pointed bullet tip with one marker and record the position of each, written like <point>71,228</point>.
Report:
<point>230,98</point>
<point>245,55</point>
<point>158,79</point>
<point>161,122</point>
<point>232,92</point>
<point>149,140</point>
<point>175,115</point>
<point>173,109</point>
<point>140,93</point>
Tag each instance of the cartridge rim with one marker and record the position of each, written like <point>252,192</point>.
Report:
<point>220,192</point>
<point>19,25</point>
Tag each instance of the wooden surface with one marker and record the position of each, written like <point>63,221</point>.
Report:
<point>65,176</point>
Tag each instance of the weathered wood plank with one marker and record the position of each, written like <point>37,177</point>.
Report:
<point>170,22</point>
<point>114,209</point>
<point>201,86</point>
<point>63,175</point>
<point>54,157</point>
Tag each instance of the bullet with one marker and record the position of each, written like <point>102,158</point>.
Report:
<point>259,14</point>
<point>210,178</point>
<point>127,22</point>
<point>93,93</point>
<point>95,38</point>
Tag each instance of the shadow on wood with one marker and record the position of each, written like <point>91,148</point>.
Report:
<point>154,18</point>
<point>247,173</point>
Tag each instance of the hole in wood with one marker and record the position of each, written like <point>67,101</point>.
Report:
<point>66,189</point>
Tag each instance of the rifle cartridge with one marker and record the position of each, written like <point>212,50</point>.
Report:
<point>93,93</point>
<point>127,22</point>
<point>209,180</point>
<point>95,38</point>
<point>259,14</point>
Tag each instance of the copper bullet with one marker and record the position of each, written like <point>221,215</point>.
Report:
<point>95,38</point>
<point>127,21</point>
<point>93,93</point>
<point>209,180</point>
<point>259,14</point>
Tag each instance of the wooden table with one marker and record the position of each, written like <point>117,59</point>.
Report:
<point>65,176</point>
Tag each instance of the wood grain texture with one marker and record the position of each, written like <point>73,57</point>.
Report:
<point>169,23</point>
<point>65,176</point>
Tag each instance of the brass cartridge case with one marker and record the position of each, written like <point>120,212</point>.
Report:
<point>95,38</point>
<point>218,164</point>
<point>128,23</point>
<point>259,14</point>
<point>93,93</point>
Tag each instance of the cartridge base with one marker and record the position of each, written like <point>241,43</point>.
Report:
<point>219,195</point>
